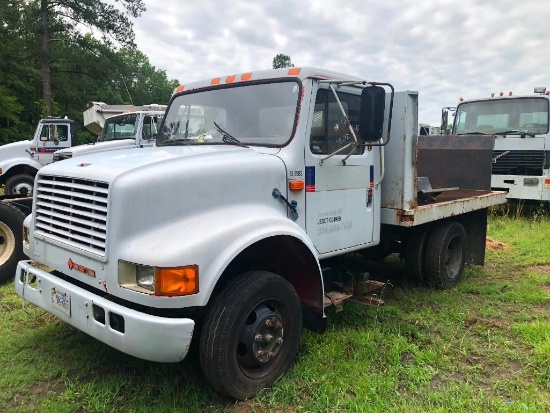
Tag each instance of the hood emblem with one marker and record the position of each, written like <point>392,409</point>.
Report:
<point>80,268</point>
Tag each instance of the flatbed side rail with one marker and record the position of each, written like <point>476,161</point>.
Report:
<point>448,204</point>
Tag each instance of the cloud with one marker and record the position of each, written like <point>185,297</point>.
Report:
<point>443,49</point>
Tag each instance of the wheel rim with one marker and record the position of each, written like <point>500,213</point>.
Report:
<point>261,339</point>
<point>7,243</point>
<point>453,258</point>
<point>22,188</point>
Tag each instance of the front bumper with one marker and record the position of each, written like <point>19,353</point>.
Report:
<point>523,187</point>
<point>132,332</point>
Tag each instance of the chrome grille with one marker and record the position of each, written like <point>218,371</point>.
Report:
<point>72,211</point>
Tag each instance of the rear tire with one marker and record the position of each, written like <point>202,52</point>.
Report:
<point>415,254</point>
<point>11,240</point>
<point>21,184</point>
<point>445,255</point>
<point>251,333</point>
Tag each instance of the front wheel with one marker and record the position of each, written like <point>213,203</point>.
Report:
<point>251,333</point>
<point>11,240</point>
<point>21,184</point>
<point>445,255</point>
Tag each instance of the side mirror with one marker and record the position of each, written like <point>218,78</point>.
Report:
<point>371,122</point>
<point>444,120</point>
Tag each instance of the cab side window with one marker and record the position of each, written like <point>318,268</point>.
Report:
<point>55,133</point>
<point>329,130</point>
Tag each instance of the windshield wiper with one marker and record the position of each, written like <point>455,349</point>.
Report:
<point>227,138</point>
<point>473,133</point>
<point>522,134</point>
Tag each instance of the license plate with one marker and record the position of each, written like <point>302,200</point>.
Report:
<point>62,301</point>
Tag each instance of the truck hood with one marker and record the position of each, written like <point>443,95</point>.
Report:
<point>96,147</point>
<point>151,189</point>
<point>11,150</point>
<point>106,167</point>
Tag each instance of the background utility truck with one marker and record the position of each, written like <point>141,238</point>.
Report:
<point>231,228</point>
<point>118,126</point>
<point>19,161</point>
<point>521,158</point>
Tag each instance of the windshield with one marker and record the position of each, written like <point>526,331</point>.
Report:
<point>119,127</point>
<point>510,116</point>
<point>258,114</point>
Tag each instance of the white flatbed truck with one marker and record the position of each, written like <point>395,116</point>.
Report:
<point>224,230</point>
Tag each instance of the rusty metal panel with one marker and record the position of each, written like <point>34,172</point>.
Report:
<point>456,161</point>
<point>399,184</point>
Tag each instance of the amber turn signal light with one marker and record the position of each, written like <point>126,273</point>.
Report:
<point>177,281</point>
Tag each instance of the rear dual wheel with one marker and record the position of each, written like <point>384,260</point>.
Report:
<point>438,256</point>
<point>251,333</point>
<point>445,255</point>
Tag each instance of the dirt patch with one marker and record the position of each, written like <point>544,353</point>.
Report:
<point>487,322</point>
<point>540,269</point>
<point>493,244</point>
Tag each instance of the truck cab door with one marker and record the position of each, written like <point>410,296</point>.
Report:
<point>52,137</point>
<point>149,130</point>
<point>340,191</point>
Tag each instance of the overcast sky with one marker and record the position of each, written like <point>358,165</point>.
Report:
<point>444,49</point>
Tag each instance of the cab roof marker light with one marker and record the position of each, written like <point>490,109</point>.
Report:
<point>493,94</point>
<point>215,81</point>
<point>510,93</point>
<point>230,79</point>
<point>501,94</point>
<point>294,71</point>
<point>246,76</point>
<point>180,88</point>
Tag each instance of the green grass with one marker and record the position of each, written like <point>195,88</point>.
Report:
<point>483,346</point>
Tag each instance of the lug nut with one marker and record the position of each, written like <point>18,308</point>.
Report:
<point>270,354</point>
<point>260,353</point>
<point>278,325</point>
<point>279,340</point>
<point>268,323</point>
<point>258,337</point>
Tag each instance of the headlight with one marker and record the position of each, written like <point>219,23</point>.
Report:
<point>145,277</point>
<point>168,281</point>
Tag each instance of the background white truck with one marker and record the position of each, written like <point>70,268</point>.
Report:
<point>521,158</point>
<point>118,126</point>
<point>19,161</point>
<point>129,126</point>
<point>230,230</point>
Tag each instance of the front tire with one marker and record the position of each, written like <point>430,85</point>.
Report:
<point>11,240</point>
<point>251,333</point>
<point>21,184</point>
<point>445,255</point>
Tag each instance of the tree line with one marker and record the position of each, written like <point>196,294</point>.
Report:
<point>56,55</point>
